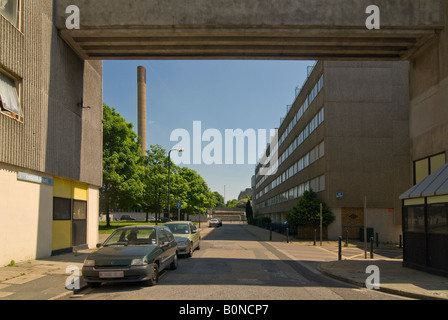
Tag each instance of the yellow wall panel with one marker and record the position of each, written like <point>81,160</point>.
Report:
<point>421,170</point>
<point>80,191</point>
<point>62,188</point>
<point>414,201</point>
<point>438,199</point>
<point>62,235</point>
<point>437,161</point>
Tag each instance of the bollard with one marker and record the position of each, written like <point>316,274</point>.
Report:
<point>399,243</point>
<point>340,249</point>
<point>315,236</point>
<point>270,232</point>
<point>371,248</point>
<point>346,238</point>
<point>377,240</point>
<point>287,235</point>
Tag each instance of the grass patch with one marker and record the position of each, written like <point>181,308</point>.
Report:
<point>103,229</point>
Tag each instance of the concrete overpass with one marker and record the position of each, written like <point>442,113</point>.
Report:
<point>249,29</point>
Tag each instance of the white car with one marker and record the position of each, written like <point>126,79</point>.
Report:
<point>214,223</point>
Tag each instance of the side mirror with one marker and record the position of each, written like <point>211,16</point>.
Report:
<point>194,230</point>
<point>164,244</point>
<point>99,245</point>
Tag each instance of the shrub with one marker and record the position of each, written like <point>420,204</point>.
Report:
<point>307,212</point>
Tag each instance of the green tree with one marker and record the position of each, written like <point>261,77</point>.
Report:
<point>307,212</point>
<point>198,196</point>
<point>219,199</point>
<point>231,203</point>
<point>155,181</point>
<point>241,203</point>
<point>122,164</point>
<point>186,186</point>
<point>249,212</point>
<point>155,198</point>
<point>179,189</point>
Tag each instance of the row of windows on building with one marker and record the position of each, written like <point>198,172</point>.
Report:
<point>308,100</point>
<point>315,154</point>
<point>317,184</point>
<point>301,137</point>
<point>310,127</point>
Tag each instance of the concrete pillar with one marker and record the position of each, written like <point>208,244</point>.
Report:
<point>141,102</point>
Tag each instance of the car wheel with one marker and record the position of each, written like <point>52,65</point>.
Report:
<point>199,246</point>
<point>174,264</point>
<point>154,275</point>
<point>190,252</point>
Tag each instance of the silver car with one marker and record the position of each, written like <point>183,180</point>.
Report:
<point>187,236</point>
<point>214,223</point>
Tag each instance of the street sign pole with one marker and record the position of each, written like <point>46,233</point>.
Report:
<point>365,227</point>
<point>178,210</point>
<point>321,224</point>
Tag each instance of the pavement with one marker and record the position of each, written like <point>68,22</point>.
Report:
<point>46,279</point>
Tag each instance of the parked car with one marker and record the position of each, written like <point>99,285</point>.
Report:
<point>127,217</point>
<point>130,254</point>
<point>187,236</point>
<point>214,223</point>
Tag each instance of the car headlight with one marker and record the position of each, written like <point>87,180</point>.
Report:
<point>183,242</point>
<point>139,262</point>
<point>89,263</point>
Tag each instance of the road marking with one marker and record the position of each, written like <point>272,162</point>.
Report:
<point>23,279</point>
<point>356,255</point>
<point>230,254</point>
<point>331,251</point>
<point>61,295</point>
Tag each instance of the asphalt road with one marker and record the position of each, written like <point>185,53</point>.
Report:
<point>233,264</point>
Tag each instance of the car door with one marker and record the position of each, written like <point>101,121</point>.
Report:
<point>164,245</point>
<point>168,246</point>
<point>173,243</point>
<point>194,231</point>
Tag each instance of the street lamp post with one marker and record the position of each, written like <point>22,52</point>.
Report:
<point>169,171</point>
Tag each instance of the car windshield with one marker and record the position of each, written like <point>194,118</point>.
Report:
<point>178,228</point>
<point>132,237</point>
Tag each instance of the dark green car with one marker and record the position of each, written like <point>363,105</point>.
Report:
<point>130,254</point>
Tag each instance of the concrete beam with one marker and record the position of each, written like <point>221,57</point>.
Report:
<point>249,29</point>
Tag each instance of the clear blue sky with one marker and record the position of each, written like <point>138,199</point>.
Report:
<point>220,94</point>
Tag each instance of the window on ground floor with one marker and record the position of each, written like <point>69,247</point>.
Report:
<point>62,209</point>
<point>438,218</point>
<point>414,219</point>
